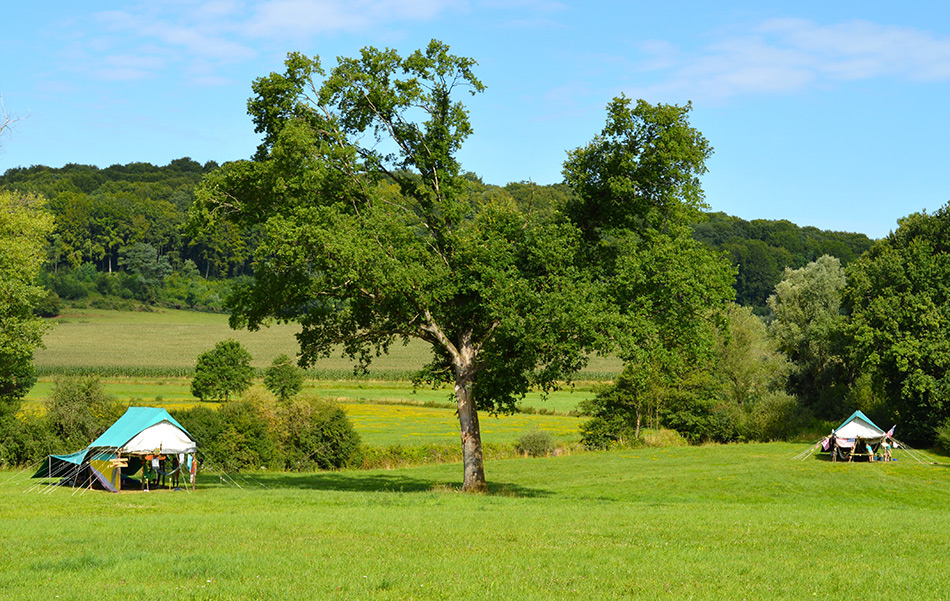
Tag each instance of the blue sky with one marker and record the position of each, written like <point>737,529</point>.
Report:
<point>831,114</point>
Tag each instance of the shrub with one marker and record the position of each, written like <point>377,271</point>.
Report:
<point>234,438</point>
<point>535,443</point>
<point>222,371</point>
<point>28,439</point>
<point>79,409</point>
<point>698,419</point>
<point>283,378</point>
<point>942,433</point>
<point>303,434</point>
<point>394,456</point>
<point>774,417</point>
<point>206,427</point>
<point>66,285</point>
<point>663,437</point>
<point>317,434</point>
<point>48,306</point>
<point>246,441</point>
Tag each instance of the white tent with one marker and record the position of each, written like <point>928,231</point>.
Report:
<point>854,437</point>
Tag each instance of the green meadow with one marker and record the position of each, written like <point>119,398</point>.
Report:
<point>715,522</point>
<point>710,522</point>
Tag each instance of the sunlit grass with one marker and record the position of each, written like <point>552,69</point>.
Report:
<point>719,522</point>
<point>176,391</point>
<point>383,425</point>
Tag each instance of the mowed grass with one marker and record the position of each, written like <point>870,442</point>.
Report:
<point>716,522</point>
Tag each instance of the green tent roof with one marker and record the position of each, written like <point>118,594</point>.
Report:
<point>131,423</point>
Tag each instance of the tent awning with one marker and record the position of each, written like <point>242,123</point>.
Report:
<point>59,466</point>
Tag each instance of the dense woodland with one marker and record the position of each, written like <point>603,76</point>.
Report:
<point>131,221</point>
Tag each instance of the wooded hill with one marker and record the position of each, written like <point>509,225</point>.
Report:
<point>132,219</point>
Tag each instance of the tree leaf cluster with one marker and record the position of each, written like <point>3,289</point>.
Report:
<point>24,225</point>
<point>222,372</point>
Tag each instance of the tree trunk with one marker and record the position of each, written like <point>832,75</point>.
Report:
<point>464,354</point>
<point>464,367</point>
<point>474,480</point>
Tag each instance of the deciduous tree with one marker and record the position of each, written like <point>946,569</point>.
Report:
<point>222,371</point>
<point>807,324</point>
<point>898,296</point>
<point>369,236</point>
<point>283,378</point>
<point>24,226</point>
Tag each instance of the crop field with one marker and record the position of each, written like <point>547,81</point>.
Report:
<point>715,522</point>
<point>138,355</point>
<point>129,341</point>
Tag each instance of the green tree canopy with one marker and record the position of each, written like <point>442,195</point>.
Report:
<point>898,296</point>
<point>222,371</point>
<point>636,194</point>
<point>24,225</point>
<point>807,324</point>
<point>283,378</point>
<point>370,235</point>
<point>373,235</point>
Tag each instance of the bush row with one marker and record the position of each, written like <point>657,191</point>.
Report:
<point>776,416</point>
<point>253,433</point>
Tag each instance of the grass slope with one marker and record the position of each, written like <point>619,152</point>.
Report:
<point>169,339</point>
<point>718,522</point>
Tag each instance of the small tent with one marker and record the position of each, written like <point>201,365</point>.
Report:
<point>853,437</point>
<point>121,450</point>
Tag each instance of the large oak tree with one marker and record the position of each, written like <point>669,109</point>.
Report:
<point>371,237</point>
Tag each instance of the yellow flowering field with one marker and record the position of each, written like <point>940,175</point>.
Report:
<point>407,425</point>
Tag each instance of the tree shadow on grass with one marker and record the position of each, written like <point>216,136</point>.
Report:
<point>382,482</point>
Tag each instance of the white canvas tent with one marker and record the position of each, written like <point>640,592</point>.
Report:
<point>854,437</point>
<point>137,436</point>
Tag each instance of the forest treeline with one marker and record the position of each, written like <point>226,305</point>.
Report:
<point>813,335</point>
<point>130,221</point>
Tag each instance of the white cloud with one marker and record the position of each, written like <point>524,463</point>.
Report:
<point>789,55</point>
<point>201,38</point>
<point>307,18</point>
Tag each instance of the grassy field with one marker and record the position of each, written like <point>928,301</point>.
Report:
<point>173,392</point>
<point>717,522</point>
<point>168,339</point>
<point>114,343</point>
<point>384,411</point>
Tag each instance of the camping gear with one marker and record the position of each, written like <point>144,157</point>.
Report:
<point>121,450</point>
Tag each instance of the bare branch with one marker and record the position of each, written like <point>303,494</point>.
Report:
<point>6,119</point>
